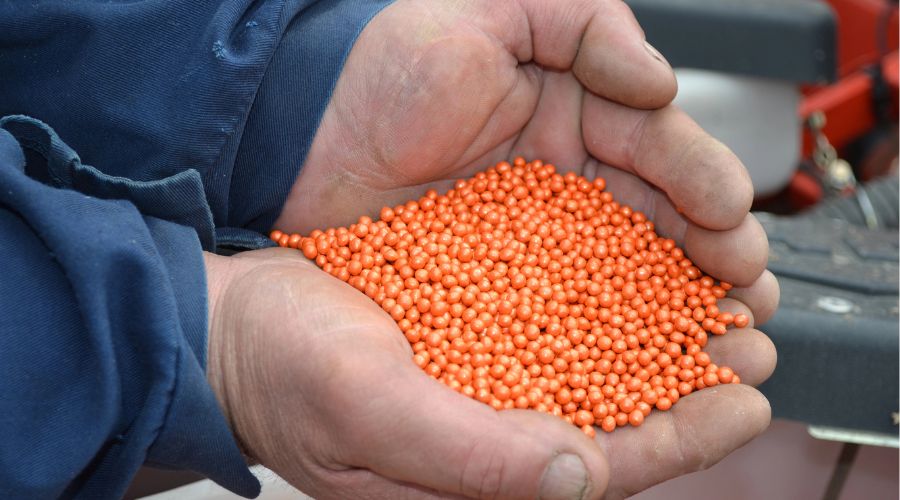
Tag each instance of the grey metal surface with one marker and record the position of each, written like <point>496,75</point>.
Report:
<point>836,329</point>
<point>792,40</point>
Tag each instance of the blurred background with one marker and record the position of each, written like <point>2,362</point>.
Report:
<point>806,93</point>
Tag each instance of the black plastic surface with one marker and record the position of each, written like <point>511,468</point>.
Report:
<point>836,329</point>
<point>793,40</point>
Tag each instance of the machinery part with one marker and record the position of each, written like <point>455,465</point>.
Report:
<point>836,173</point>
<point>849,105</point>
<point>856,437</point>
<point>836,330</point>
<point>755,117</point>
<point>790,40</point>
<point>882,196</point>
<point>841,471</point>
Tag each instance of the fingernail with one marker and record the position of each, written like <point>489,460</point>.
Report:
<point>655,53</point>
<point>564,479</point>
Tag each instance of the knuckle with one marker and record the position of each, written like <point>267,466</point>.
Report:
<point>484,472</point>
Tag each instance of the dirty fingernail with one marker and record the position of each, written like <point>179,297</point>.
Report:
<point>564,479</point>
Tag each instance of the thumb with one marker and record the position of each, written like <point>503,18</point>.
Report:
<point>599,40</point>
<point>443,440</point>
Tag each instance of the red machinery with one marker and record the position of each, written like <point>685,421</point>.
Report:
<point>860,108</point>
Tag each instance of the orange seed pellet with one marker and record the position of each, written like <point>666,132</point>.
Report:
<point>525,288</point>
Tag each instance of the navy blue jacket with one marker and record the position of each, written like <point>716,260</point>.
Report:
<point>191,121</point>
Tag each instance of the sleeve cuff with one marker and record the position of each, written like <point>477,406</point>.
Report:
<point>292,97</point>
<point>195,435</point>
<point>131,253</point>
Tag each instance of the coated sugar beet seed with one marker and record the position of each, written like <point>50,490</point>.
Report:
<point>525,288</point>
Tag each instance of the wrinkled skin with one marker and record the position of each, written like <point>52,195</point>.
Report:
<point>318,382</point>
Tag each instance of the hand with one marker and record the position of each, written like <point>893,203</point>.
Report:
<point>318,385</point>
<point>436,91</point>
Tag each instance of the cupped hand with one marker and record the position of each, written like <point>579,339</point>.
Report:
<point>432,92</point>
<point>436,91</point>
<point>318,384</point>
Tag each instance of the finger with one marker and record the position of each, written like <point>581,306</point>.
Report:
<point>554,131</point>
<point>750,353</point>
<point>696,433</point>
<point>701,176</point>
<point>737,255</point>
<point>435,437</point>
<point>600,41</point>
<point>508,118</point>
<point>762,297</point>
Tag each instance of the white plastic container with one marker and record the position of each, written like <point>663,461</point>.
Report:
<point>756,118</point>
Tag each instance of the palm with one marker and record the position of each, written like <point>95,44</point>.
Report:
<point>319,386</point>
<point>448,96</point>
<point>454,89</point>
<point>344,412</point>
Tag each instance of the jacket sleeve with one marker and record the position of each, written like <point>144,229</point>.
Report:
<point>148,89</point>
<point>196,117</point>
<point>102,326</point>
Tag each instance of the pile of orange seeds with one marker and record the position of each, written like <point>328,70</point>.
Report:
<point>524,288</point>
